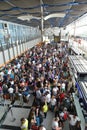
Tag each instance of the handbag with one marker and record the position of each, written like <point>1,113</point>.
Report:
<point>34,127</point>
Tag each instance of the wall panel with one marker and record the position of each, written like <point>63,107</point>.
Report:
<point>6,55</point>
<point>15,51</point>
<point>11,53</point>
<point>18,49</point>
<point>1,59</point>
<point>26,46</point>
<point>21,48</point>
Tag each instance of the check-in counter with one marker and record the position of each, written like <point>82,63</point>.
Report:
<point>79,70</point>
<point>76,51</point>
<point>82,89</point>
<point>79,66</point>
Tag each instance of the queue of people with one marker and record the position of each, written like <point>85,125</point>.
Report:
<point>44,70</point>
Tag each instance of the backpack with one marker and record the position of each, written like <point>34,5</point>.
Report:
<point>34,127</point>
<point>65,116</point>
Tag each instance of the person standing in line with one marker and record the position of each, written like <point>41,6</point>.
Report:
<point>41,127</point>
<point>45,109</point>
<point>78,125</point>
<point>24,124</point>
<point>72,121</point>
<point>53,103</point>
<point>55,124</point>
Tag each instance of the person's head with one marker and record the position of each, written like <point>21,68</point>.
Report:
<point>41,127</point>
<point>56,119</point>
<point>78,122</point>
<point>74,116</point>
<point>22,120</point>
<point>53,96</point>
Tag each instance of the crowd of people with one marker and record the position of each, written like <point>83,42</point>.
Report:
<point>45,71</point>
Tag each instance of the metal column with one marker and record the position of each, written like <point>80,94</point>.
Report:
<point>3,53</point>
<point>42,20</point>
<point>8,48</point>
<point>12,49</point>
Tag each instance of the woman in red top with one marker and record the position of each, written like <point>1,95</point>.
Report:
<point>62,96</point>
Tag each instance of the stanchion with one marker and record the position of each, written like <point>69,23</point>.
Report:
<point>21,99</point>
<point>4,103</point>
<point>12,116</point>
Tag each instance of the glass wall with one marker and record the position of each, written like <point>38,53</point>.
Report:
<point>78,27</point>
<point>1,34</point>
<point>78,32</point>
<point>13,34</point>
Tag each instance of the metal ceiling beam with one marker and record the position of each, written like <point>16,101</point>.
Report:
<point>67,14</point>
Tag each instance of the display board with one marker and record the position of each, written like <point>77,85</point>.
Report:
<point>56,39</point>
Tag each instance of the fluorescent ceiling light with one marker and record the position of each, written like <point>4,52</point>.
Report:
<point>54,15</point>
<point>28,17</point>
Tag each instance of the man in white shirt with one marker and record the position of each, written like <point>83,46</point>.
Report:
<point>11,93</point>
<point>18,65</point>
<point>48,97</point>
<point>55,124</point>
<point>72,121</point>
<point>54,91</point>
<point>53,103</point>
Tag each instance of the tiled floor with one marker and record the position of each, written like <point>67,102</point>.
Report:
<point>18,113</point>
<point>2,110</point>
<point>13,116</point>
<point>12,122</point>
<point>48,121</point>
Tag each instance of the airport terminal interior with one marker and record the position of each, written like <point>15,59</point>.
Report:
<point>43,65</point>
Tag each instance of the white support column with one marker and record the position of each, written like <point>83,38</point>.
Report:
<point>42,21</point>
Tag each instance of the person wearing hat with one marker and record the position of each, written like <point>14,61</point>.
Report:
<point>72,121</point>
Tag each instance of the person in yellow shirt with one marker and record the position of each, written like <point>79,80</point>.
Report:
<point>45,109</point>
<point>24,124</point>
